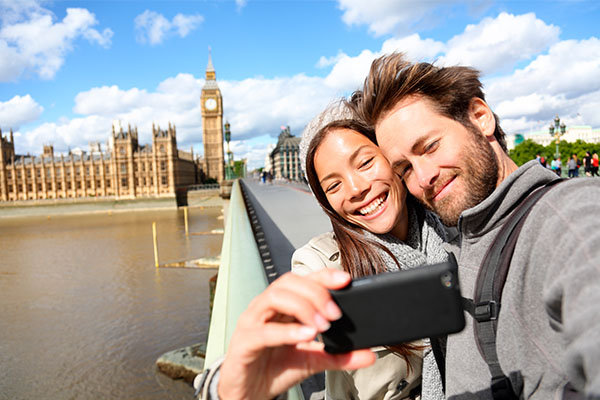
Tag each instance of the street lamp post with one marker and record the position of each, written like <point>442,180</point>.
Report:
<point>557,130</point>
<point>229,164</point>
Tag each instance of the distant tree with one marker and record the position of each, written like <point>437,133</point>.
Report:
<point>526,151</point>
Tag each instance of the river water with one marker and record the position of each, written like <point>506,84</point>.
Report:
<point>84,314</point>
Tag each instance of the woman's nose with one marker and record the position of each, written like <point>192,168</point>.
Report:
<point>358,186</point>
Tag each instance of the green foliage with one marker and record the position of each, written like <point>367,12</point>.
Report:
<point>528,149</point>
<point>239,168</point>
<point>210,180</point>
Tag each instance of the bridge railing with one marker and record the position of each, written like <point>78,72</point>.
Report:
<point>241,277</point>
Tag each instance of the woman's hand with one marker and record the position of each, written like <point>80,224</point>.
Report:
<point>273,347</point>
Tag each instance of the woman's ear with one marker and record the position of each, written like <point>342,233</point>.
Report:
<point>482,116</point>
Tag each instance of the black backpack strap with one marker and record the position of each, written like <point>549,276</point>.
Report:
<point>485,308</point>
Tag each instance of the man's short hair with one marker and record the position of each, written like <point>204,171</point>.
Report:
<point>392,78</point>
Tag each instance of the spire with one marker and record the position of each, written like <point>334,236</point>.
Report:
<point>210,67</point>
<point>210,70</point>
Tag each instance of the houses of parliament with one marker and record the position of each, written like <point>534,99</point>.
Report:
<point>126,170</point>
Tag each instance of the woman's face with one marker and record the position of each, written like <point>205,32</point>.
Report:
<point>359,182</point>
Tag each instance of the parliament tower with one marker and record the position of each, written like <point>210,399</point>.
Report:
<point>212,125</point>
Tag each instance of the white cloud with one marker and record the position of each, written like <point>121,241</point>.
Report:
<point>30,41</point>
<point>498,43</point>
<point>18,111</point>
<point>154,28</point>
<point>389,16</point>
<point>240,4</point>
<point>414,47</point>
<point>563,81</point>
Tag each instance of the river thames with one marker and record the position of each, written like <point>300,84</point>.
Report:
<point>84,314</point>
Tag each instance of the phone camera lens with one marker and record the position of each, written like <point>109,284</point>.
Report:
<point>447,281</point>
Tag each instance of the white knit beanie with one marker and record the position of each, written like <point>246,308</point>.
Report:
<point>334,112</point>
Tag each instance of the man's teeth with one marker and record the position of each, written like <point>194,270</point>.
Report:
<point>374,206</point>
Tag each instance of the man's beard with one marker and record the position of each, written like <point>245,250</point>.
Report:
<point>479,174</point>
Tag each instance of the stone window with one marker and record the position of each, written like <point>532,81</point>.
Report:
<point>39,187</point>
<point>58,185</point>
<point>123,168</point>
<point>78,185</point>
<point>68,185</point>
<point>10,188</point>
<point>48,172</point>
<point>124,182</point>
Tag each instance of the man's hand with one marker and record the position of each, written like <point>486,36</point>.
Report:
<point>273,347</point>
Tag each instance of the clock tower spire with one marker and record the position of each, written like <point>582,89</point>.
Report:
<point>211,103</point>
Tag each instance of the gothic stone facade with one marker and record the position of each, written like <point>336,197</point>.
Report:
<point>285,160</point>
<point>127,170</point>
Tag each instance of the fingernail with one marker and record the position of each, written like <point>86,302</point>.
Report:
<point>340,277</point>
<point>333,310</point>
<point>306,332</point>
<point>321,323</point>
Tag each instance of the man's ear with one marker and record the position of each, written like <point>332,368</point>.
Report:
<point>482,116</point>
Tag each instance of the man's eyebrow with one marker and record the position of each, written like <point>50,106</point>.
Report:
<point>418,143</point>
<point>352,157</point>
<point>413,149</point>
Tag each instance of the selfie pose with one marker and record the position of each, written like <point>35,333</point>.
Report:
<point>375,229</point>
<point>442,138</point>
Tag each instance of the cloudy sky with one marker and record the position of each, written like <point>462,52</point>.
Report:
<point>69,68</point>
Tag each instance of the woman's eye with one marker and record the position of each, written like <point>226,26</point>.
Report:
<point>332,187</point>
<point>366,162</point>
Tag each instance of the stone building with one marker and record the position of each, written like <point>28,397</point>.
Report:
<point>285,160</point>
<point>127,170</point>
<point>572,134</point>
<point>211,103</point>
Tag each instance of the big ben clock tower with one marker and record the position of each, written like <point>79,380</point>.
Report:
<point>212,125</point>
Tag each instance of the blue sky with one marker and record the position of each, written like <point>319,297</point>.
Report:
<point>69,68</point>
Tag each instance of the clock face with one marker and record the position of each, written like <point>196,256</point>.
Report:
<point>210,104</point>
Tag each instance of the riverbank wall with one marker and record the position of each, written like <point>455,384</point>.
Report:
<point>37,208</point>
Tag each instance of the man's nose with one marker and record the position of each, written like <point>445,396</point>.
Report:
<point>426,173</point>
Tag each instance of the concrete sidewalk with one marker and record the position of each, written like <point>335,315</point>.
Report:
<point>292,208</point>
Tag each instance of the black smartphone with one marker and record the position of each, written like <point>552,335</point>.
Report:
<point>397,307</point>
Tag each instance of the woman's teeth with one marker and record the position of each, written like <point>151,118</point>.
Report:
<point>373,206</point>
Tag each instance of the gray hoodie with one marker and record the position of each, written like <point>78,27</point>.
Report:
<point>549,325</point>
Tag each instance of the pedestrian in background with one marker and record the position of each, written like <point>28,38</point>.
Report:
<point>595,164</point>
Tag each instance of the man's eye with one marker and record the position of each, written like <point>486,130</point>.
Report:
<point>432,146</point>
<point>402,171</point>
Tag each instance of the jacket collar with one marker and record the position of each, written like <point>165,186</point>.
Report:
<point>491,212</point>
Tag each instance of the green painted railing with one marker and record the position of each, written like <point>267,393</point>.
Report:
<point>241,277</point>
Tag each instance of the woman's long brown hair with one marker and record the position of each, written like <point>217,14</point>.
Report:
<point>359,256</point>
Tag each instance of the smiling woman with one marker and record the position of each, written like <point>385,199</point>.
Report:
<point>376,228</point>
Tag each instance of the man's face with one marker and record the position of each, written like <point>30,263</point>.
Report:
<point>445,165</point>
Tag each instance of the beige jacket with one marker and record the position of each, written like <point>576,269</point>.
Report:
<point>388,378</point>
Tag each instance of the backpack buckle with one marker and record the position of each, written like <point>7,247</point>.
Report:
<point>487,311</point>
